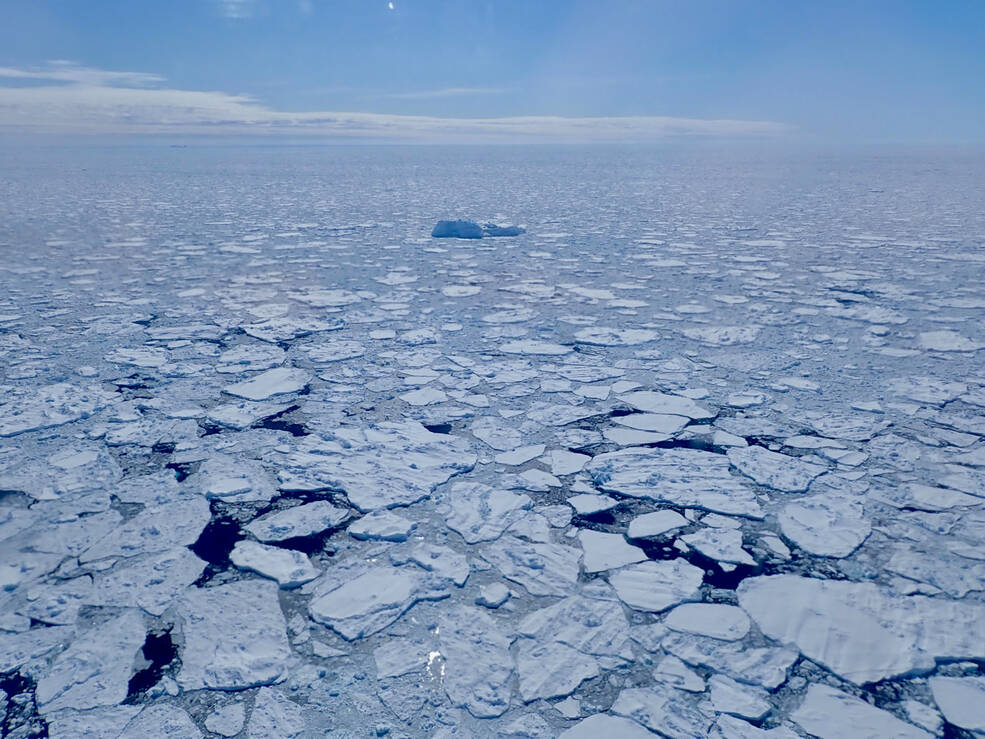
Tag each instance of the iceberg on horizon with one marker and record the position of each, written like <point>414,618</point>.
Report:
<point>472,230</point>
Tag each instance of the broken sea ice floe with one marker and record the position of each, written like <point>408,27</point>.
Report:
<point>429,449</point>
<point>472,230</point>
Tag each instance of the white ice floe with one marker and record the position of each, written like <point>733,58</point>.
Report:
<point>594,625</point>
<point>23,409</point>
<point>723,335</point>
<point>689,478</point>
<point>744,701</point>
<point>443,561</point>
<point>535,348</point>
<point>478,666</point>
<point>765,666</point>
<point>157,528</point>
<point>651,525</point>
<point>381,525</point>
<point>151,582</point>
<point>110,722</point>
<point>250,358</point>
<point>243,414</point>
<point>669,712</point>
<point>723,545</point>
<point>493,595</point>
<point>861,631</point>
<point>607,551</point>
<point>147,357</point>
<point>828,526</point>
<point>587,504</point>
<point>747,399</point>
<point>948,341</point>
<point>551,669</point>
<point>479,512</point>
<point>656,586</point>
<point>235,637</point>
<point>326,298</point>
<point>373,600</point>
<point>289,568</point>
<point>608,336</point>
<point>279,381</point>
<point>161,719</point>
<point>298,521</point>
<point>287,328</point>
<point>400,656</point>
<point>660,422</point>
<point>563,462</point>
<point>227,720</point>
<point>774,470</point>
<point>961,700</point>
<point>603,724</point>
<point>717,620</point>
<point>662,403</point>
<point>275,715</point>
<point>393,464</point>
<point>337,350</point>
<point>96,668</point>
<point>673,672</point>
<point>424,396</point>
<point>830,714</point>
<point>521,455</point>
<point>541,568</point>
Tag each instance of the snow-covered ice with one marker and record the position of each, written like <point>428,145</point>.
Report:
<point>673,462</point>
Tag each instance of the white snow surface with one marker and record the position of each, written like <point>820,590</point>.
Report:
<point>275,463</point>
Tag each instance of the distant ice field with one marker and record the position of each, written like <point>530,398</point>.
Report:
<point>700,453</point>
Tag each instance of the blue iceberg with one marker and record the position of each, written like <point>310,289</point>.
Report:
<point>472,230</point>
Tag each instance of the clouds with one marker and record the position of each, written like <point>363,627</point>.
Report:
<point>448,92</point>
<point>77,99</point>
<point>60,70</point>
<point>237,9</point>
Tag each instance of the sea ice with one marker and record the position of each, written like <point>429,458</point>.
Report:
<point>824,525</point>
<point>390,465</point>
<point>541,568</point>
<point>551,669</point>
<point>777,471</point>
<point>603,724</point>
<point>373,600</point>
<point>607,551</point>
<point>227,720</point>
<point>381,525</point>
<point>279,381</point>
<point>744,701</point>
<point>275,715</point>
<point>859,630</point>
<point>478,667</point>
<point>656,586</point>
<point>961,700</point>
<point>23,409</point>
<point>479,512</point>
<point>662,403</point>
<point>830,714</point>
<point>96,668</point>
<point>235,637</point>
<point>651,525</point>
<point>299,521</point>
<point>716,620</point>
<point>684,477</point>
<point>289,568</point>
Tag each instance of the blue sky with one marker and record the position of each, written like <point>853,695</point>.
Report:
<point>862,70</point>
